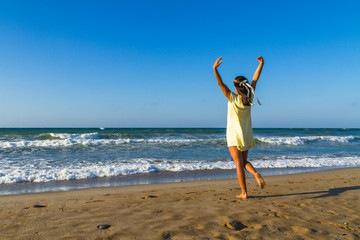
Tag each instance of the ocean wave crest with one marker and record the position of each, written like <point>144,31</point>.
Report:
<point>71,136</point>
<point>296,140</point>
<point>309,162</point>
<point>91,139</point>
<point>28,173</point>
<point>88,139</point>
<point>46,171</point>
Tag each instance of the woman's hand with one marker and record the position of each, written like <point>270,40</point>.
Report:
<point>260,59</point>
<point>257,72</point>
<point>223,87</point>
<point>217,63</point>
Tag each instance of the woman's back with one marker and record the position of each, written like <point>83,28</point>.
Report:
<point>239,127</point>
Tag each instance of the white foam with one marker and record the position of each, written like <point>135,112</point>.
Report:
<point>309,161</point>
<point>44,172</point>
<point>67,139</point>
<point>82,141</point>
<point>75,136</point>
<point>296,140</point>
<point>29,173</point>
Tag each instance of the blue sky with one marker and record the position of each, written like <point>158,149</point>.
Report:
<point>149,63</point>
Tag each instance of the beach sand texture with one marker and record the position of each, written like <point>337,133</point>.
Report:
<point>318,205</point>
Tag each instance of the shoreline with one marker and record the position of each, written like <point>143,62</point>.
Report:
<point>143,179</point>
<point>316,205</point>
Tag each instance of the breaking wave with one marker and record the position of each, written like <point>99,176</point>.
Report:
<point>296,140</point>
<point>46,172</point>
<point>87,139</point>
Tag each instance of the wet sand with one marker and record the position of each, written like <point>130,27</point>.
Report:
<point>317,205</point>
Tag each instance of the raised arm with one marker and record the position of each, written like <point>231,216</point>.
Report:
<point>257,72</point>
<point>223,87</point>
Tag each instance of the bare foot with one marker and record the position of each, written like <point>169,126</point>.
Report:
<point>242,196</point>
<point>260,180</point>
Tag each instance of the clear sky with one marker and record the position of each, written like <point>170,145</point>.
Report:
<point>149,63</point>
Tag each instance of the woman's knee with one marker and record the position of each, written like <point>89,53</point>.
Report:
<point>239,163</point>
<point>237,157</point>
<point>245,162</point>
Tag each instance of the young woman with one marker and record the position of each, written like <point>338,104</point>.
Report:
<point>239,129</point>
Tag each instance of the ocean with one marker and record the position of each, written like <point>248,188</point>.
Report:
<point>36,160</point>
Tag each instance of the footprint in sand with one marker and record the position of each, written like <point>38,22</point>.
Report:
<point>278,215</point>
<point>235,225</point>
<point>189,198</point>
<point>276,204</point>
<point>342,226</point>
<point>157,211</point>
<point>302,230</point>
<point>94,201</point>
<point>150,196</point>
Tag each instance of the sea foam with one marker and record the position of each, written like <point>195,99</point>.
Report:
<point>45,172</point>
<point>297,140</point>
<point>87,139</point>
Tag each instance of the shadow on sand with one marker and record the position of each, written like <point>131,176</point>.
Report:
<point>329,193</point>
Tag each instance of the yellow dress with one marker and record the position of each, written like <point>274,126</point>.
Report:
<point>239,128</point>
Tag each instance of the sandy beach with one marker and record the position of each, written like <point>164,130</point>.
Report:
<point>318,205</point>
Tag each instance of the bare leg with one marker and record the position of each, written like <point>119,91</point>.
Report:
<point>239,162</point>
<point>249,167</point>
